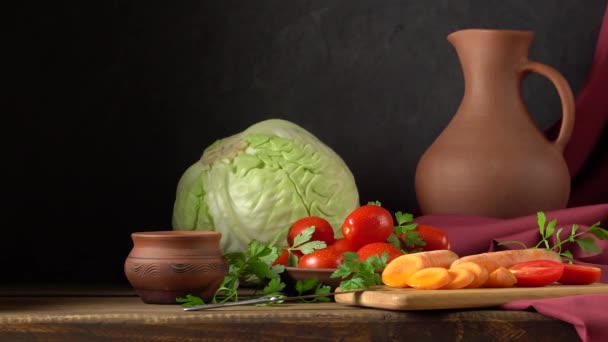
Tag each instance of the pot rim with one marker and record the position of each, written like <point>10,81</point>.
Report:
<point>176,234</point>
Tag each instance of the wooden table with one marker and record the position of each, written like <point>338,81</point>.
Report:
<point>64,314</point>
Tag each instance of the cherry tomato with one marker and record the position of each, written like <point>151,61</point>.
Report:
<point>323,230</point>
<point>321,258</point>
<point>283,258</point>
<point>434,238</point>
<point>537,273</point>
<point>344,245</point>
<point>377,248</point>
<point>367,224</point>
<point>580,275</point>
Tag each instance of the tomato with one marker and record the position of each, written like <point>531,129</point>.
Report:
<point>367,224</point>
<point>434,238</point>
<point>537,273</point>
<point>344,245</point>
<point>283,258</point>
<point>377,248</point>
<point>321,258</point>
<point>580,275</point>
<point>323,230</point>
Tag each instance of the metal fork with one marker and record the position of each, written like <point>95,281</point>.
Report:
<point>266,299</point>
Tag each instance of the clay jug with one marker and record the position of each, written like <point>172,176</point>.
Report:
<point>165,265</point>
<point>491,159</point>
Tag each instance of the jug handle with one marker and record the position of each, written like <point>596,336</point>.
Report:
<point>566,97</point>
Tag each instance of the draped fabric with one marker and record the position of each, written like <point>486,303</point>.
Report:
<point>587,151</point>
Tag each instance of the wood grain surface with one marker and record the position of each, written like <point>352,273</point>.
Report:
<point>412,299</point>
<point>126,318</point>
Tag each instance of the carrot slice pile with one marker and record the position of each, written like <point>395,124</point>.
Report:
<point>461,278</point>
<point>443,269</point>
<point>398,272</point>
<point>500,278</point>
<point>430,278</point>
<point>480,273</point>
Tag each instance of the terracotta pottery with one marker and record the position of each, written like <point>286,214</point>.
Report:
<point>165,265</point>
<point>492,159</point>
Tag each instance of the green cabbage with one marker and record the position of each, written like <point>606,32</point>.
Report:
<point>254,184</point>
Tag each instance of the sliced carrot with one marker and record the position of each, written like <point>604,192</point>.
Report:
<point>480,273</point>
<point>398,271</point>
<point>501,277</point>
<point>510,257</point>
<point>461,277</point>
<point>430,278</point>
<point>489,265</point>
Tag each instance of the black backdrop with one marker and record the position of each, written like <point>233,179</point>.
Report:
<point>113,101</point>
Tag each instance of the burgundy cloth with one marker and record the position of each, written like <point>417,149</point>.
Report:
<point>587,152</point>
<point>472,235</point>
<point>588,313</point>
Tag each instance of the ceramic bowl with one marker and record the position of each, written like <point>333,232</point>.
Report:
<point>323,275</point>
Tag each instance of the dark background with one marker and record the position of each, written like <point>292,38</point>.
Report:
<point>113,101</point>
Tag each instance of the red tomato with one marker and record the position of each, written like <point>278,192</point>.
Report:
<point>344,245</point>
<point>323,230</point>
<point>377,248</point>
<point>537,273</point>
<point>367,224</point>
<point>580,275</point>
<point>321,258</point>
<point>283,258</point>
<point>434,238</point>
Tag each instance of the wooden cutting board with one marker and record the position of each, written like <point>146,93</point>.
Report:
<point>412,299</point>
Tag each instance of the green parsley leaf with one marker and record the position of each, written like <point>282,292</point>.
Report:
<point>306,285</point>
<point>598,232</point>
<point>541,218</point>
<point>394,240</point>
<point>260,269</point>
<point>304,236</point>
<point>403,218</point>
<point>357,274</point>
<point>274,286</point>
<point>511,242</point>
<point>189,300</point>
<point>550,227</point>
<point>588,245</point>
<point>311,246</point>
<point>320,290</point>
<point>568,255</point>
<point>352,284</point>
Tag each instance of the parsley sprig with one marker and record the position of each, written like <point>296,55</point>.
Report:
<point>358,274</point>
<point>303,244</point>
<point>190,300</point>
<point>552,240</point>
<point>407,229</point>
<point>312,286</point>
<point>254,265</point>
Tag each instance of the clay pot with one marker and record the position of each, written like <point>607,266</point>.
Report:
<point>492,159</point>
<point>165,265</point>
